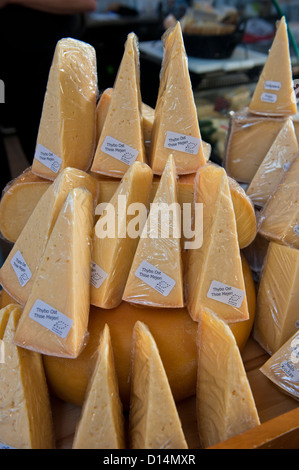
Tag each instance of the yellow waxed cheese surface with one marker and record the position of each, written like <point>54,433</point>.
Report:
<point>154,422</point>
<point>274,94</point>
<point>278,297</point>
<point>224,400</point>
<point>213,276</point>
<point>67,130</point>
<point>101,424</point>
<point>281,154</point>
<point>54,320</point>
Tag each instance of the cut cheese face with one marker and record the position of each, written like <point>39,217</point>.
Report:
<point>176,129</point>
<point>278,297</point>
<point>102,110</point>
<point>155,278</point>
<point>121,141</point>
<point>154,422</point>
<point>113,248</point>
<point>224,400</point>
<point>214,277</point>
<point>248,142</point>
<point>101,425</point>
<point>67,130</point>
<point>26,418</point>
<point>279,219</point>
<point>55,316</point>
<point>18,271</point>
<point>278,159</point>
<point>274,94</point>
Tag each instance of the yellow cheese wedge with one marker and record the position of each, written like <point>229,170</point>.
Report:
<point>18,271</point>
<point>279,219</point>
<point>67,130</point>
<point>121,141</point>
<point>113,248</point>
<point>102,110</point>
<point>18,200</point>
<point>55,317</point>
<point>281,154</point>
<point>214,279</point>
<point>176,129</point>
<point>155,278</point>
<point>224,401</point>
<point>249,139</point>
<point>26,417</point>
<point>101,425</point>
<point>278,297</point>
<point>274,94</point>
<point>154,422</point>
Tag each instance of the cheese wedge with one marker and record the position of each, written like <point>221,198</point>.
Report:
<point>55,316</point>
<point>274,94</point>
<point>4,316</point>
<point>113,248</point>
<point>121,141</point>
<point>279,219</point>
<point>102,110</point>
<point>249,139</point>
<point>281,154</point>
<point>67,130</point>
<point>26,417</point>
<point>214,279</point>
<point>17,274</point>
<point>175,129</point>
<point>101,425</point>
<point>278,297</point>
<point>155,278</point>
<point>18,200</point>
<point>224,401</point>
<point>154,422</point>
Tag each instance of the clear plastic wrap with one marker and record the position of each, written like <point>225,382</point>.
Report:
<point>25,409</point>
<point>67,130</point>
<point>249,138</point>
<point>278,297</point>
<point>282,368</point>
<point>121,141</point>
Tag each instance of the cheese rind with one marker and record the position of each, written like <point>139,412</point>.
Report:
<point>67,129</point>
<point>101,424</point>
<point>277,299</point>
<point>55,317</point>
<point>224,401</point>
<point>154,422</point>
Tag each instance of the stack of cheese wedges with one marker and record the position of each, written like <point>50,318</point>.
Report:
<point>116,150</point>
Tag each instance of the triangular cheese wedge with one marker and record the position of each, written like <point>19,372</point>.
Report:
<point>176,129</point>
<point>279,219</point>
<point>154,421</point>
<point>214,277</point>
<point>155,278</point>
<point>114,247</point>
<point>278,297</point>
<point>274,94</point>
<point>67,129</point>
<point>101,425</point>
<point>55,317</point>
<point>278,159</point>
<point>17,274</point>
<point>224,401</point>
<point>26,417</point>
<point>121,141</point>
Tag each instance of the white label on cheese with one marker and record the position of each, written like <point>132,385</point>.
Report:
<point>119,150</point>
<point>290,370</point>
<point>181,142</point>
<point>296,229</point>
<point>51,318</point>
<point>226,294</point>
<point>5,446</point>
<point>269,97</point>
<point>98,275</point>
<point>272,85</point>
<point>155,278</point>
<point>47,158</point>
<point>21,268</point>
